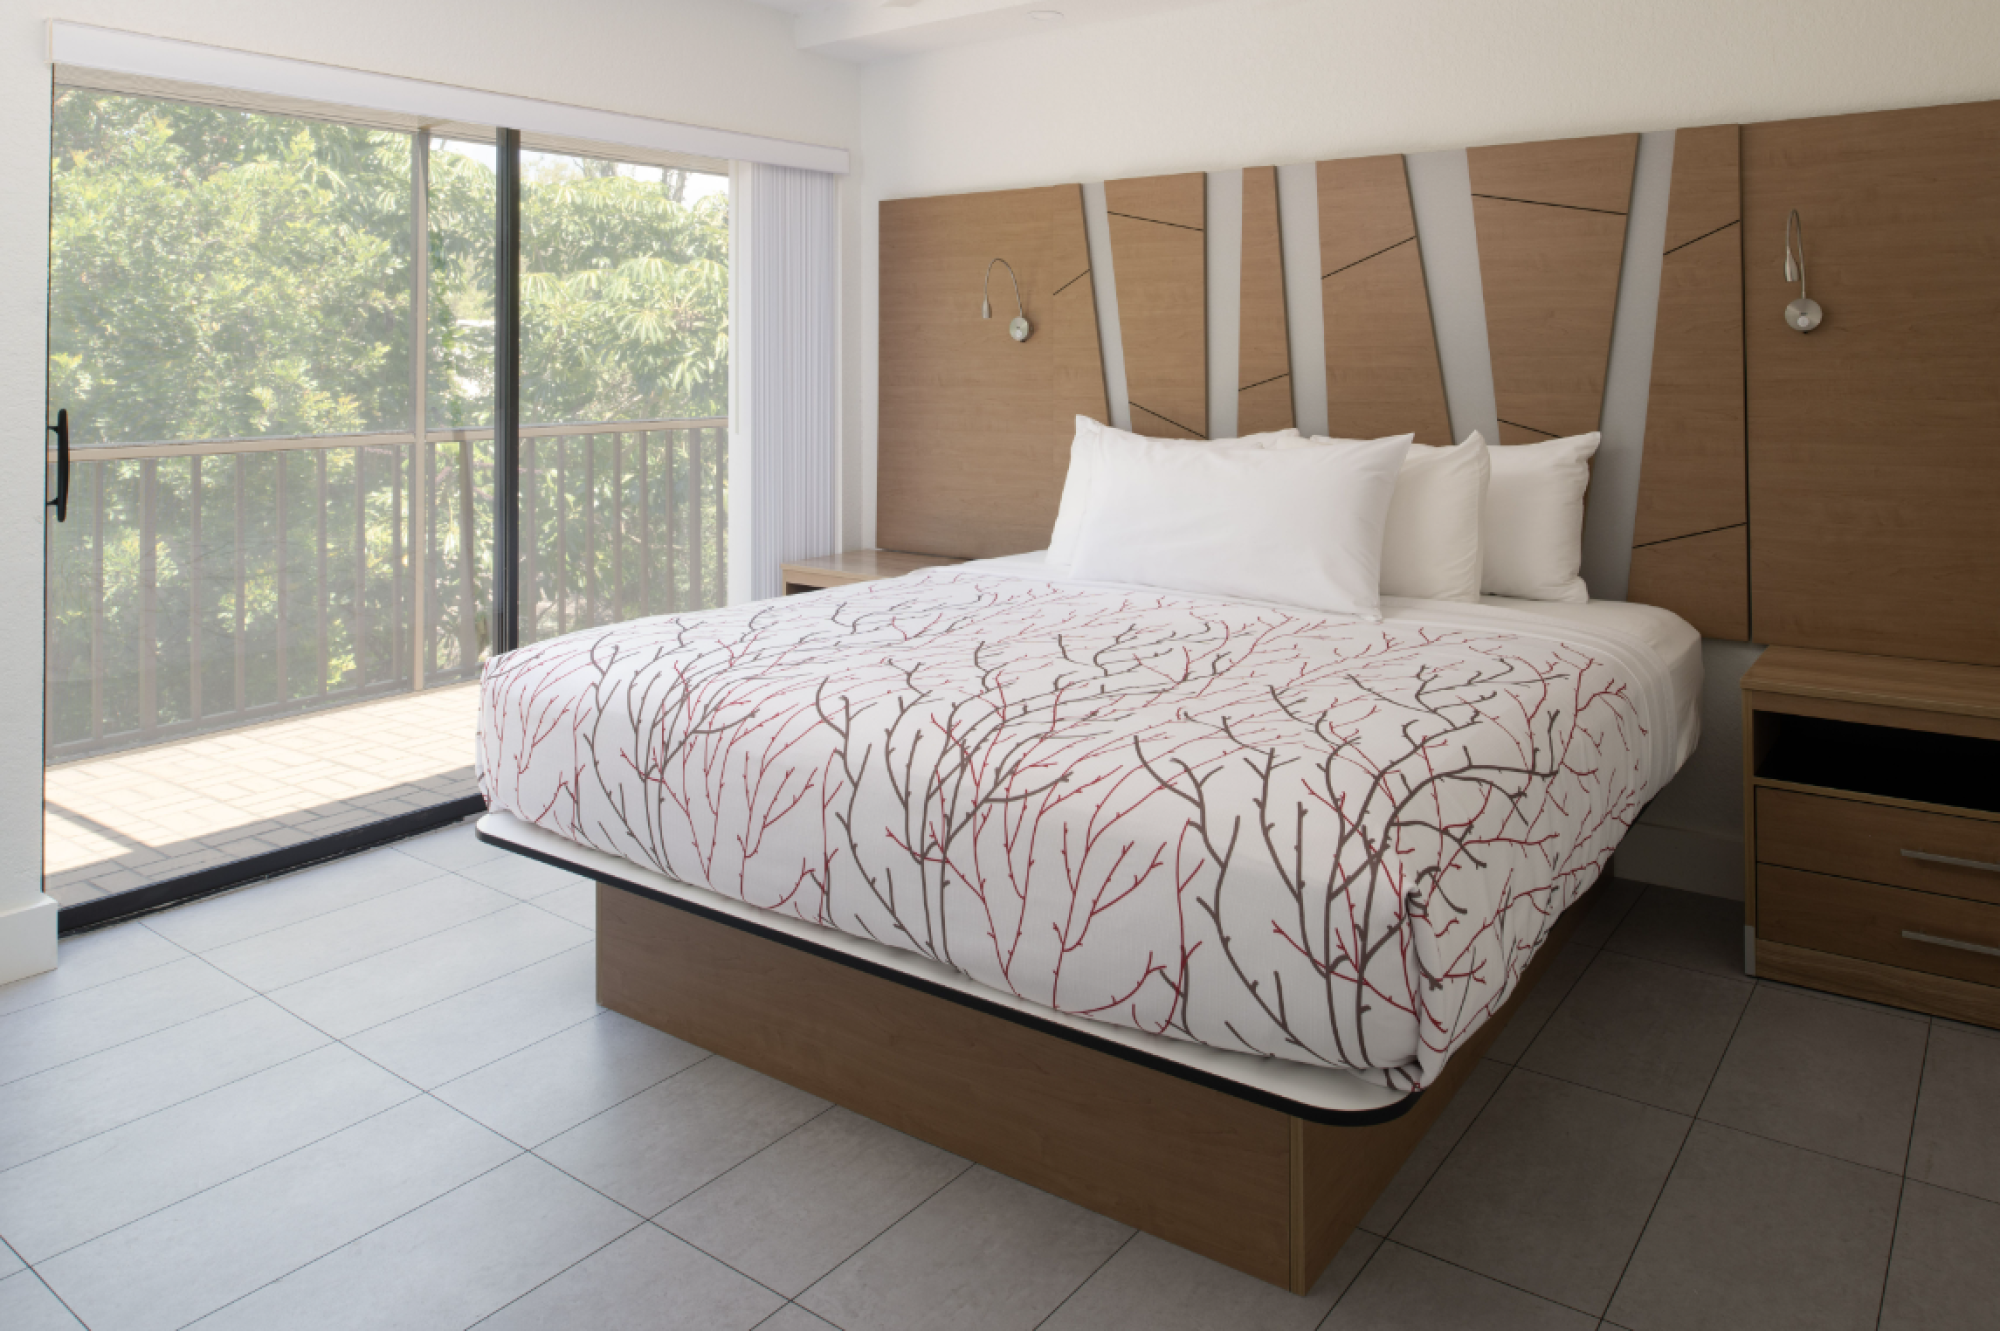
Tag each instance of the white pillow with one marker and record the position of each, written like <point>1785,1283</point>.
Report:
<point>1083,467</point>
<point>1534,519</point>
<point>1300,527</point>
<point>1431,548</point>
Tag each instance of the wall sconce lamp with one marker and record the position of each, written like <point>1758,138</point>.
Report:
<point>1019,328</point>
<point>1803,313</point>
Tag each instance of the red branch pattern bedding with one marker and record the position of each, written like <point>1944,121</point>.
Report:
<point>1255,828</point>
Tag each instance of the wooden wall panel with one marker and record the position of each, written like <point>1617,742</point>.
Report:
<point>1875,440</point>
<point>1691,480</point>
<point>1072,329</point>
<point>1160,264</point>
<point>974,427</point>
<point>1551,225</point>
<point>1382,371</point>
<point>1264,349</point>
<point>1704,579</point>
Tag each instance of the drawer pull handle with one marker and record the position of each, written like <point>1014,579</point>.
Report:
<point>1951,860</point>
<point>1958,943</point>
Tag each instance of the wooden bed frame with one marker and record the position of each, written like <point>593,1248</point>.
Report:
<point>1269,1187</point>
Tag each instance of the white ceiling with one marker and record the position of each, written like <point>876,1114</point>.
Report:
<point>863,30</point>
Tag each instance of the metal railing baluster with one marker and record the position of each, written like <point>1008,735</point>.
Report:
<point>531,588</point>
<point>282,556</point>
<point>360,629</point>
<point>97,471</point>
<point>149,636</point>
<point>241,615</point>
<point>656,491</point>
<point>590,529</point>
<point>321,592</point>
<point>645,527</point>
<point>191,571</point>
<point>697,556</point>
<point>617,528</point>
<point>562,537</point>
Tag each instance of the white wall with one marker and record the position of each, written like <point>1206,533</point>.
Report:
<point>711,62</point>
<point>1250,82</point>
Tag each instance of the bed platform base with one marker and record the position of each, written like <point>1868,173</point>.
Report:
<point>1268,1192</point>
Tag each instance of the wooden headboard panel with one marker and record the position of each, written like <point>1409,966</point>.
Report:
<point>1875,440</point>
<point>975,428</point>
<point>1834,490</point>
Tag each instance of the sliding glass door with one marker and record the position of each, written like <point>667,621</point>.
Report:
<point>273,341</point>
<point>624,391</point>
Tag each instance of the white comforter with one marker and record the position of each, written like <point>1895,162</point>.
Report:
<point>1256,828</point>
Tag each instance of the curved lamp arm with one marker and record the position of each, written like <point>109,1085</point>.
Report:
<point>1804,314</point>
<point>1019,328</point>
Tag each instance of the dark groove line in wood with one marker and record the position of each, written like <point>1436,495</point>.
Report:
<point>1179,226</point>
<point>1168,419</point>
<point>1685,536</point>
<point>1703,236</point>
<point>1547,434</point>
<point>1608,212</point>
<point>1072,282</point>
<point>1261,382</point>
<point>1366,257</point>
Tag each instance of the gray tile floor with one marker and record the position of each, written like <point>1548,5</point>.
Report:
<point>379,1094</point>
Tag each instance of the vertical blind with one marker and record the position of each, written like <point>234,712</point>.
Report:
<point>788,268</point>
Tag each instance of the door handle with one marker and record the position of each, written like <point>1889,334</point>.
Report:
<point>61,431</point>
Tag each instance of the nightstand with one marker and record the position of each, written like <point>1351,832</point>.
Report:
<point>849,566</point>
<point>1872,829</point>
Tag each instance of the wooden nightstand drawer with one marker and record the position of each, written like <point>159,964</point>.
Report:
<point>1881,843</point>
<point>1892,925</point>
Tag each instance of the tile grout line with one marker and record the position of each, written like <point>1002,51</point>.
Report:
<point>272,994</point>
<point>1909,1145</point>
<point>151,1113</point>
<point>791,1132</point>
<point>1388,1239</point>
<point>93,988</point>
<point>510,903</point>
<point>250,1293</point>
<point>250,996</point>
<point>1713,1123</point>
<point>1519,1289</point>
<point>44,1282</point>
<point>1424,1187</point>
<point>619,1237</point>
<point>1666,1180</point>
<point>536,1148</point>
<point>921,1202</point>
<point>536,1044</point>
<point>221,1182</point>
<point>1108,1259</point>
<point>445,998</point>
<point>1381,1242</point>
<point>146,921</point>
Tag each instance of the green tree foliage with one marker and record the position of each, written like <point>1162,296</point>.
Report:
<point>217,274</point>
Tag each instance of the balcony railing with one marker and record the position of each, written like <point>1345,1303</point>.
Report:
<point>205,585</point>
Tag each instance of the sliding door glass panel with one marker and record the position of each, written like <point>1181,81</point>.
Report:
<point>458,442</point>
<point>235,653</point>
<point>624,391</point>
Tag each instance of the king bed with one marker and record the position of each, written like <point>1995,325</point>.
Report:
<point>1191,908</point>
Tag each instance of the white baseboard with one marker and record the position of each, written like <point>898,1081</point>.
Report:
<point>28,940</point>
<point>1676,857</point>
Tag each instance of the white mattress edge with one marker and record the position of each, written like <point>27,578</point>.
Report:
<point>1332,1090</point>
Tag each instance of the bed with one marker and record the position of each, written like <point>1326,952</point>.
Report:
<point>1194,910</point>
